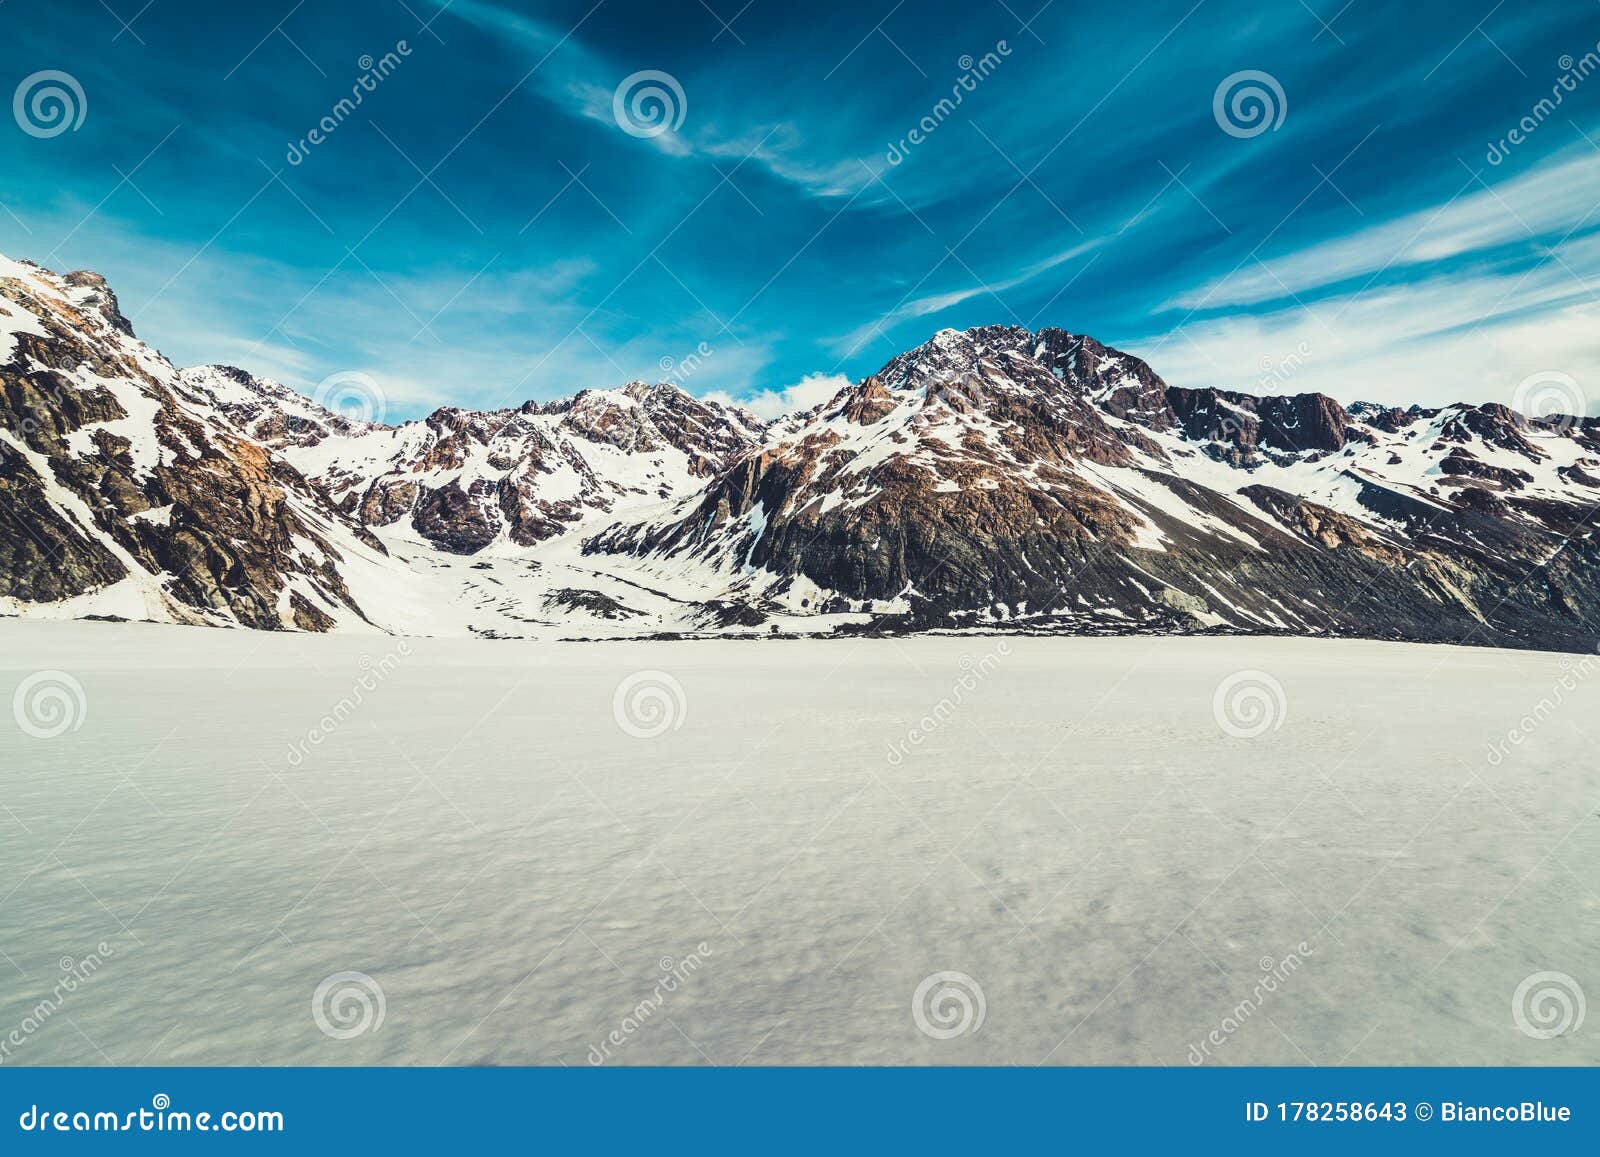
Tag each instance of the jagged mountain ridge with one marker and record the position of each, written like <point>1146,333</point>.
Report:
<point>996,477</point>
<point>118,496</point>
<point>463,479</point>
<point>1046,479</point>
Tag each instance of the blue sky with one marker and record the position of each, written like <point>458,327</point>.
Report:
<point>483,229</point>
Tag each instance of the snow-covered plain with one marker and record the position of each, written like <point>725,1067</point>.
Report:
<point>1072,829</point>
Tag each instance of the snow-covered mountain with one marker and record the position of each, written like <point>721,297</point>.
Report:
<point>992,478</point>
<point>120,495</point>
<point>465,480</point>
<point>1044,480</point>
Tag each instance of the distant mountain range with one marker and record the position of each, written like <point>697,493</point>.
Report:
<point>990,479</point>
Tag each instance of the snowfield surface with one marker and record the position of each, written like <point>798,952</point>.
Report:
<point>480,855</point>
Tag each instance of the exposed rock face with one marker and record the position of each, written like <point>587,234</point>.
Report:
<point>464,479</point>
<point>267,411</point>
<point>1293,424</point>
<point>1046,480</point>
<point>111,481</point>
<point>1042,481</point>
<point>44,555</point>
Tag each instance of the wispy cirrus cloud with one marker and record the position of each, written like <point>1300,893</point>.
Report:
<point>934,303</point>
<point>1552,199</point>
<point>482,231</point>
<point>1471,335</point>
<point>567,74</point>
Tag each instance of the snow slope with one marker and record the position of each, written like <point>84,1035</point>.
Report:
<point>819,827</point>
<point>1039,480</point>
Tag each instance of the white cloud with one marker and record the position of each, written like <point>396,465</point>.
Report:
<point>1550,198</point>
<point>1462,338</point>
<point>933,303</point>
<point>811,390</point>
<point>489,338</point>
<point>566,74</point>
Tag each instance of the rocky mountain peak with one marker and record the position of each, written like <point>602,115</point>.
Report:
<point>123,491</point>
<point>1046,361</point>
<point>267,410</point>
<point>1039,480</point>
<point>94,293</point>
